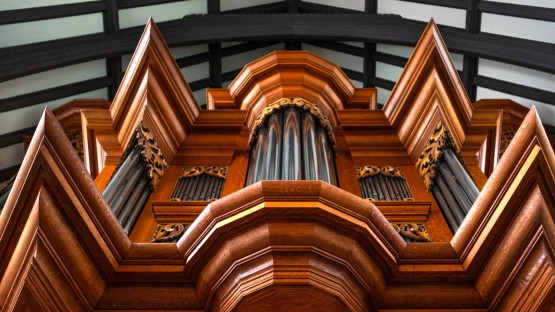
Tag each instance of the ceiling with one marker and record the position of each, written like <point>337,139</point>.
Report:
<point>52,51</point>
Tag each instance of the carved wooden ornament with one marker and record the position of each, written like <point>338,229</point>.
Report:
<point>155,163</point>
<point>303,243</point>
<point>427,162</point>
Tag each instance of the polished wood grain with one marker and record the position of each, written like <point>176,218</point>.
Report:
<point>282,245</point>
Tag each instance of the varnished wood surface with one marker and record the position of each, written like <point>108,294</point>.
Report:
<point>283,244</point>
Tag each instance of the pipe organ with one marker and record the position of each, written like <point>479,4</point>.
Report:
<point>290,191</point>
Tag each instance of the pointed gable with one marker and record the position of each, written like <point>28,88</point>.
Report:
<point>153,89</point>
<point>506,240</point>
<point>428,90</point>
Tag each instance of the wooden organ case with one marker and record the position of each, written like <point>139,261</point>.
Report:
<point>435,203</point>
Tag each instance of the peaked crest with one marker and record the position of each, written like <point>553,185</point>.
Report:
<point>428,90</point>
<point>154,90</point>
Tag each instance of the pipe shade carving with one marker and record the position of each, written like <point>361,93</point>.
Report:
<point>291,143</point>
<point>383,183</point>
<point>200,183</point>
<point>443,173</point>
<point>137,175</point>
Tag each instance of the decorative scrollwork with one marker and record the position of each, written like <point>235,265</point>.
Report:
<point>427,162</point>
<point>288,102</point>
<point>215,171</point>
<point>388,171</point>
<point>76,139</point>
<point>412,232</point>
<point>167,233</point>
<point>156,165</point>
<point>506,138</point>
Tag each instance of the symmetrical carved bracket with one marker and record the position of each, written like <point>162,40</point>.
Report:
<point>156,165</point>
<point>215,171</point>
<point>427,162</point>
<point>168,233</point>
<point>200,183</point>
<point>288,102</point>
<point>388,171</point>
<point>413,232</point>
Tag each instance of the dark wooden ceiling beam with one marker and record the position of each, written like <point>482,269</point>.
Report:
<point>27,59</point>
<point>516,89</point>
<point>49,12</point>
<point>470,63</point>
<point>42,96</point>
<point>127,4</point>
<point>15,137</point>
<point>369,50</point>
<point>275,7</point>
<point>456,4</point>
<point>309,7</point>
<point>517,10</point>
<point>7,173</point>
<point>339,47</point>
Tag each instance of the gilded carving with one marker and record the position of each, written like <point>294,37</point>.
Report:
<point>288,102</point>
<point>427,162</point>
<point>215,171</point>
<point>388,171</point>
<point>506,138</point>
<point>383,183</point>
<point>412,232</point>
<point>156,165</point>
<point>167,233</point>
<point>76,139</point>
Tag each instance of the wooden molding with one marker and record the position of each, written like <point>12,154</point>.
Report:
<point>290,74</point>
<point>154,90</point>
<point>61,248</point>
<point>428,90</point>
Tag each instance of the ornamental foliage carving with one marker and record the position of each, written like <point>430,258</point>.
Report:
<point>413,232</point>
<point>506,138</point>
<point>288,102</point>
<point>168,233</point>
<point>76,139</point>
<point>388,171</point>
<point>156,165</point>
<point>432,152</point>
<point>215,171</point>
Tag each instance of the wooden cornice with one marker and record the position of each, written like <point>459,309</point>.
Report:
<point>154,90</point>
<point>56,229</point>
<point>290,74</point>
<point>516,205</point>
<point>428,90</point>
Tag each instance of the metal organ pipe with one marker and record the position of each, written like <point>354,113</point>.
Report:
<point>292,145</point>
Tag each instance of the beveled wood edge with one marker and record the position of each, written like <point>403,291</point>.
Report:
<point>430,60</point>
<point>152,88</point>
